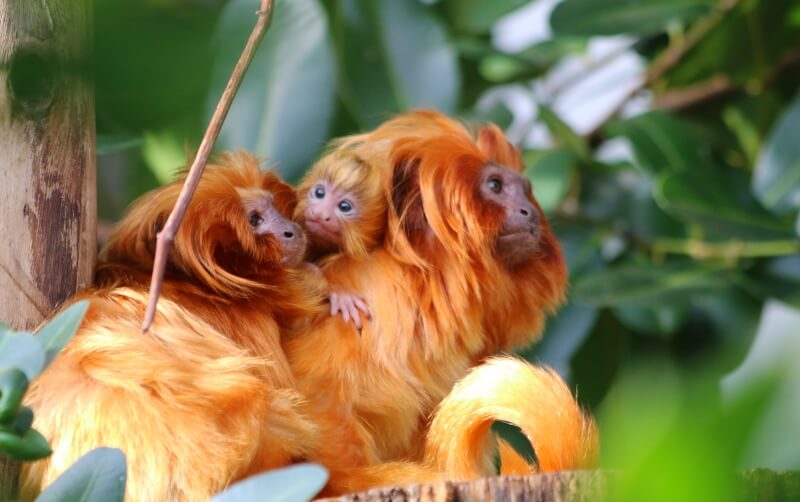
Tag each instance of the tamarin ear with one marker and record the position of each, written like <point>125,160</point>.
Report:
<point>494,145</point>
<point>405,195</point>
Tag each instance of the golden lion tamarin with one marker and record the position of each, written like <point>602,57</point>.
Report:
<point>206,396</point>
<point>468,266</point>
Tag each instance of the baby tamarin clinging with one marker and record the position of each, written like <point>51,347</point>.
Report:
<point>342,207</point>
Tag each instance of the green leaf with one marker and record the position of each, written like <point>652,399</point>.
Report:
<point>99,475</point>
<point>614,17</point>
<point>55,335</point>
<point>551,174</point>
<point>30,446</point>
<point>706,201</point>
<point>22,351</point>
<point>295,483</point>
<point>478,16</point>
<point>23,421</point>
<point>284,107</point>
<point>13,384</point>
<point>4,328</point>
<point>164,154</point>
<point>563,336</point>
<point>661,321</point>
<point>114,143</point>
<point>661,142</point>
<point>776,181</point>
<point>392,56</point>
<point>644,284</point>
<point>565,136</point>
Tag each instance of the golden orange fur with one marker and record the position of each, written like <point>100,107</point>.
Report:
<point>205,397</point>
<point>441,301</point>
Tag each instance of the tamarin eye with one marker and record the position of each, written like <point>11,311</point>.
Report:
<point>255,219</point>
<point>345,206</point>
<point>495,184</point>
<point>319,192</point>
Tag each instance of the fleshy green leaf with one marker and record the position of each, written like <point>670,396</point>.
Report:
<point>776,181</point>
<point>13,384</point>
<point>284,107</point>
<point>22,351</point>
<point>99,475</point>
<point>614,17</point>
<point>295,483</point>
<point>55,335</point>
<point>30,446</point>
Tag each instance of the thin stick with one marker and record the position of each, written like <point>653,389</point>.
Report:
<point>167,234</point>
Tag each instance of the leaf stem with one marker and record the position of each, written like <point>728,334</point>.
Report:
<point>167,234</point>
<point>733,250</point>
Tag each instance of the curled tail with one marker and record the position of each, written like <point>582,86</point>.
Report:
<point>506,389</point>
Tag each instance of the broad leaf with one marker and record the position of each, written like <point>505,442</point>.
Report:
<point>643,284</point>
<point>393,55</point>
<point>22,351</point>
<point>13,384</point>
<point>284,107</point>
<point>563,336</point>
<point>662,142</point>
<point>565,136</point>
<point>776,181</point>
<point>295,483</point>
<point>478,16</point>
<point>55,335</point>
<point>614,17</point>
<point>550,174</point>
<point>98,476</point>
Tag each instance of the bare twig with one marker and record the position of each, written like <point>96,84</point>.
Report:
<point>167,234</point>
<point>672,56</point>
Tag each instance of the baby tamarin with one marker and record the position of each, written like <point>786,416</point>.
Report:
<point>342,207</point>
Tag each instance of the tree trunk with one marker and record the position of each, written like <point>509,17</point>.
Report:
<point>47,163</point>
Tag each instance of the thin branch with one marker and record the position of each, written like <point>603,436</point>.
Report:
<point>672,56</point>
<point>167,234</point>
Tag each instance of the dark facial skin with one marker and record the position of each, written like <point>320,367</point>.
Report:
<point>519,235</point>
<point>264,219</point>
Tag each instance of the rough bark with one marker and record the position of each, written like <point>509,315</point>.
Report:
<point>754,485</point>
<point>47,162</point>
<point>560,487</point>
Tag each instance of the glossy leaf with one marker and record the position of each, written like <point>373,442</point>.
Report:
<point>22,351</point>
<point>644,284</point>
<point>614,17</point>
<point>661,142</point>
<point>284,107</point>
<point>703,201</point>
<point>550,174</point>
<point>295,483</point>
<point>478,16</point>
<point>661,320</point>
<point>30,446</point>
<point>563,336</point>
<point>55,335</point>
<point>776,181</point>
<point>393,55</point>
<point>565,136</point>
<point>100,475</point>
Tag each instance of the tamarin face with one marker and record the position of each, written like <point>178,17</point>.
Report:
<point>329,210</point>
<point>267,223</point>
<point>520,230</point>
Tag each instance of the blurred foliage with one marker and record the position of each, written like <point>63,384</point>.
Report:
<point>661,137</point>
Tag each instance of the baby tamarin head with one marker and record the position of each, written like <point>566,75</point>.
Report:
<point>341,204</point>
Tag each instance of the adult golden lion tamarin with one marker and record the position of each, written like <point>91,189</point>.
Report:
<point>468,266</point>
<point>206,396</point>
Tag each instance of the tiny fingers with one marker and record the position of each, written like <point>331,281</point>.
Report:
<point>362,306</point>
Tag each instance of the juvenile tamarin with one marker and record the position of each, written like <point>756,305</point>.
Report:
<point>206,396</point>
<point>342,207</point>
<point>468,266</point>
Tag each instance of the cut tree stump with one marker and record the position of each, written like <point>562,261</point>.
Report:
<point>756,486</point>
<point>47,164</point>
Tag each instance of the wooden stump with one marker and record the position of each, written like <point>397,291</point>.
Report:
<point>47,162</point>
